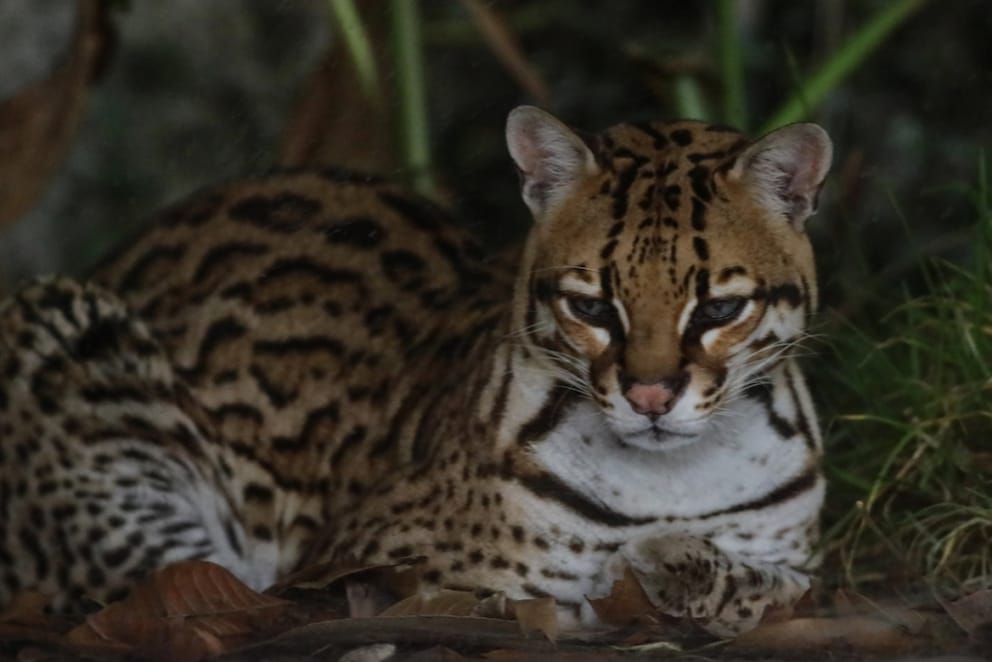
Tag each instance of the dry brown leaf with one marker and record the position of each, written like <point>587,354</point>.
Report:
<point>626,602</point>
<point>862,633</point>
<point>188,610</point>
<point>973,613</point>
<point>459,632</point>
<point>402,578</point>
<point>537,615</point>
<point>333,120</point>
<point>367,600</point>
<point>24,619</point>
<point>851,603</point>
<point>27,608</point>
<point>844,603</point>
<point>37,125</point>
<point>321,575</point>
<point>443,603</point>
<point>804,606</point>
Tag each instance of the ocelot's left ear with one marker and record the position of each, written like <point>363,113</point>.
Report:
<point>785,170</point>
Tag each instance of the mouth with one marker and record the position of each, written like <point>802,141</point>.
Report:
<point>656,437</point>
<point>659,433</point>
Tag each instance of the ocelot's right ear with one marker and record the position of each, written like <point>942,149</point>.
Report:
<point>551,158</point>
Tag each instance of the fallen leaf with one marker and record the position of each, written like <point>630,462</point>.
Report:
<point>459,632</point>
<point>972,613</point>
<point>27,608</point>
<point>402,577</point>
<point>442,603</point>
<point>625,603</point>
<point>505,46</point>
<point>188,610</point>
<point>366,600</point>
<point>537,615</point>
<point>334,120</point>
<point>25,619</point>
<point>862,633</point>
<point>37,125</point>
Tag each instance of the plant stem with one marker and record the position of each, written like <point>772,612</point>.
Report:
<point>731,65</point>
<point>410,78</point>
<point>359,48</point>
<point>844,61</point>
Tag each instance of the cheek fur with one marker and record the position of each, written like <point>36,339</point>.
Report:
<point>589,341</point>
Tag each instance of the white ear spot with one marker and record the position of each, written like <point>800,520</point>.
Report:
<point>785,170</point>
<point>550,157</point>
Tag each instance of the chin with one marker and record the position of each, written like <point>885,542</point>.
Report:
<point>657,439</point>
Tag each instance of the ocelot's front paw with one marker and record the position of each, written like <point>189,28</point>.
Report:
<point>687,576</point>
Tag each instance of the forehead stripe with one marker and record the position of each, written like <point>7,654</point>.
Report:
<point>624,181</point>
<point>702,283</point>
<point>698,215</point>
<point>699,178</point>
<point>701,248</point>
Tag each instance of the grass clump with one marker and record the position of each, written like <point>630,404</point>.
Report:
<point>909,453</point>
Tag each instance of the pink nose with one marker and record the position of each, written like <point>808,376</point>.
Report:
<point>649,399</point>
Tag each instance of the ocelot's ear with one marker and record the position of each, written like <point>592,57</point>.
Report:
<point>549,156</point>
<point>785,170</point>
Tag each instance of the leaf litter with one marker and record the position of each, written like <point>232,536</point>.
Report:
<point>196,610</point>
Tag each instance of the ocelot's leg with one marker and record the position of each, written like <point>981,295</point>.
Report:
<point>723,592</point>
<point>105,473</point>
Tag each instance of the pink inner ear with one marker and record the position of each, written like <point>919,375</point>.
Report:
<point>527,154</point>
<point>787,168</point>
<point>808,168</point>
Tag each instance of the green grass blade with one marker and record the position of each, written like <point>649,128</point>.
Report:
<point>411,81</point>
<point>689,103</point>
<point>731,65</point>
<point>359,47</point>
<point>850,55</point>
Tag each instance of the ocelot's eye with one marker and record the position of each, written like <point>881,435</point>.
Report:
<point>719,310</point>
<point>591,310</point>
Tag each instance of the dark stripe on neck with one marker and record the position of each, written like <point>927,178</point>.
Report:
<point>550,414</point>
<point>547,486</point>
<point>805,481</point>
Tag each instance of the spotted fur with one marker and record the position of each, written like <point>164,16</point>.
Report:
<point>314,366</point>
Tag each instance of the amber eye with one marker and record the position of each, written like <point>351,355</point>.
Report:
<point>591,311</point>
<point>719,310</point>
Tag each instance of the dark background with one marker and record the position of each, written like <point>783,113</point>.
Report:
<point>196,92</point>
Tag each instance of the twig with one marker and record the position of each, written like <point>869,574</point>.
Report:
<point>504,45</point>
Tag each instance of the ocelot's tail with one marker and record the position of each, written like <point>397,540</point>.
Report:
<point>104,473</point>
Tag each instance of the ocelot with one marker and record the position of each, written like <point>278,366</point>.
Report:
<point>309,366</point>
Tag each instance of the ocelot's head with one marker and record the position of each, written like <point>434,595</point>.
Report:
<point>668,268</point>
